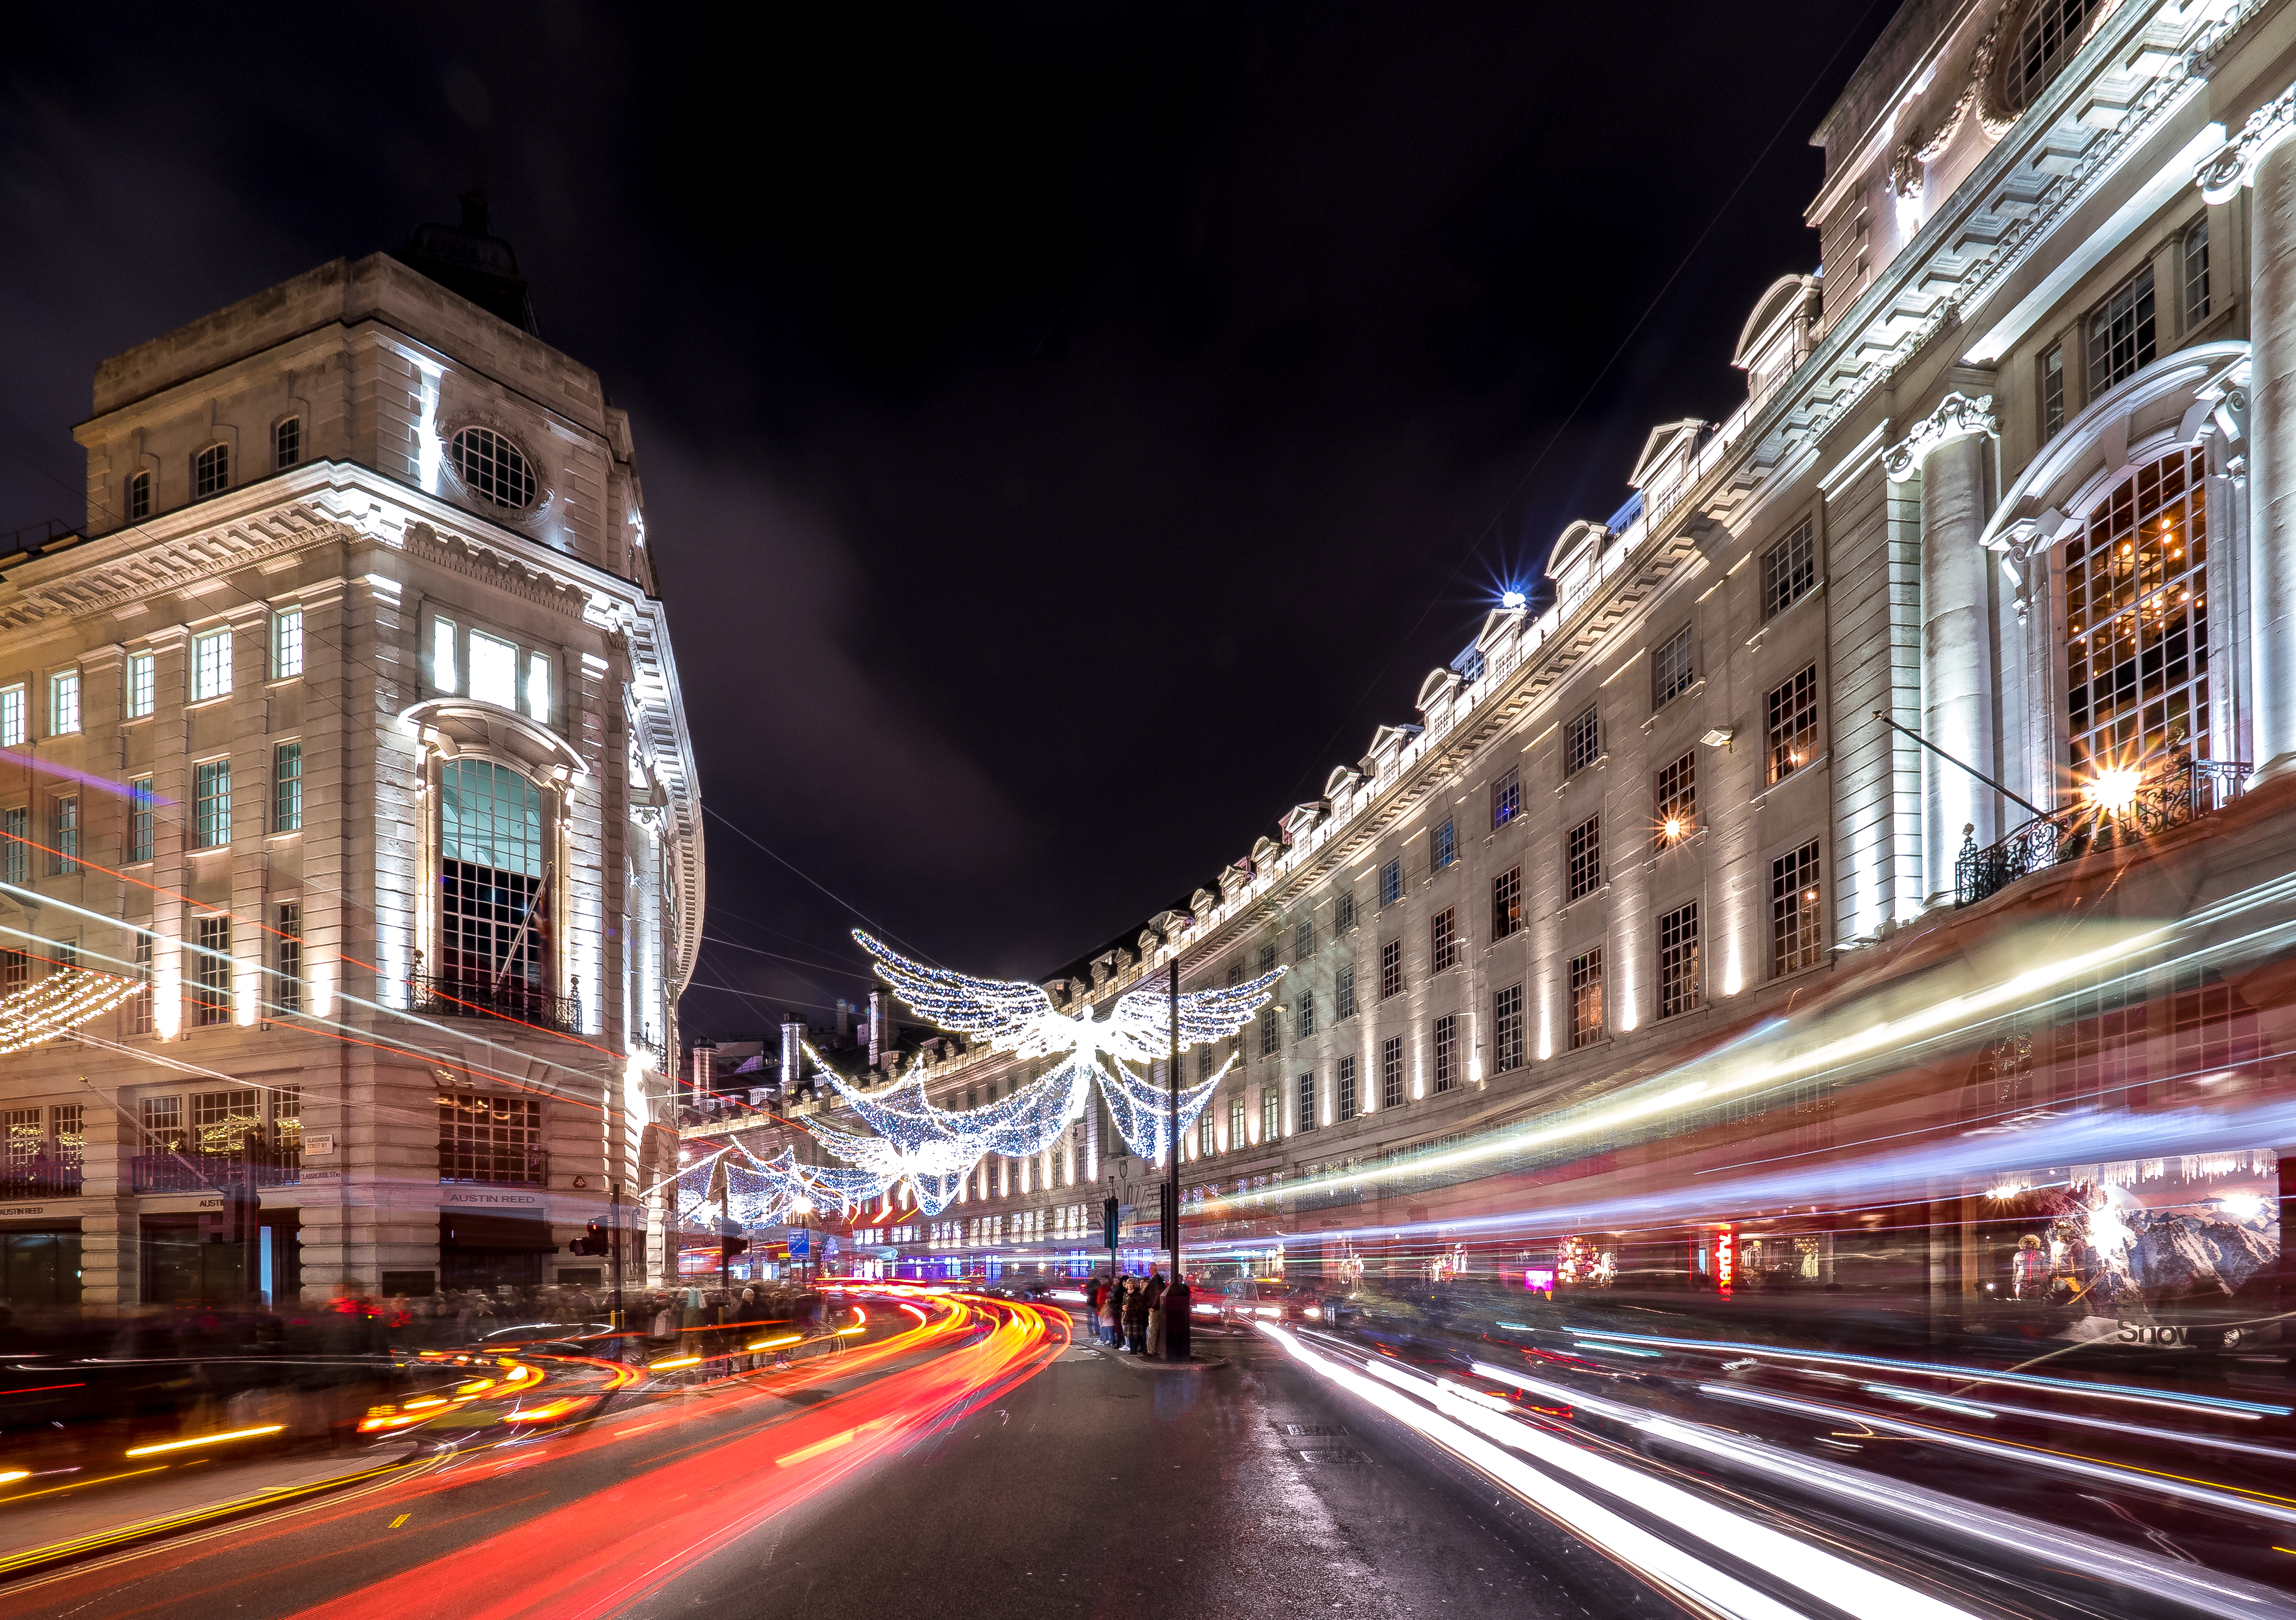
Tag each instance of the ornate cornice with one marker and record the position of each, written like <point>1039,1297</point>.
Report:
<point>1957,416</point>
<point>2234,163</point>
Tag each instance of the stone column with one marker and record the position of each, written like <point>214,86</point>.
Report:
<point>2272,456</point>
<point>1948,450</point>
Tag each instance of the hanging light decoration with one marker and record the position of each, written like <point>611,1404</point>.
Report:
<point>66,997</point>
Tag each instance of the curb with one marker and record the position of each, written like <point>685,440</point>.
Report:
<point>1142,1365</point>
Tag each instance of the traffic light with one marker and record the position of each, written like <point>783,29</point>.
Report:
<point>593,1241</point>
<point>1169,1205</point>
<point>1110,1214</point>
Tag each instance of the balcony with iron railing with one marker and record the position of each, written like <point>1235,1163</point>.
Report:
<point>159,1170</point>
<point>475,996</point>
<point>493,1165</point>
<point>40,1177</point>
<point>2121,811</point>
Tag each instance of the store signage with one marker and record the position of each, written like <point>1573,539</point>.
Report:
<point>490,1199</point>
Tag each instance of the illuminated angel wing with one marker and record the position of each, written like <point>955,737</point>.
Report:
<point>1004,1011</point>
<point>1142,1110</point>
<point>1144,1017</point>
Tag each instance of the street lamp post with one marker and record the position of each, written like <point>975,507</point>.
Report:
<point>1172,1185</point>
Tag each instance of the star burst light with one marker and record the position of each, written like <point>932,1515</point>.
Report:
<point>935,1148</point>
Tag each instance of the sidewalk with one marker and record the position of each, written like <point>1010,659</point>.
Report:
<point>72,1520</point>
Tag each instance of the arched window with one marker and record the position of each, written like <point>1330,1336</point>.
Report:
<point>493,468</point>
<point>210,471</point>
<point>2136,624</point>
<point>139,496</point>
<point>286,442</point>
<point>2051,32</point>
<point>494,877</point>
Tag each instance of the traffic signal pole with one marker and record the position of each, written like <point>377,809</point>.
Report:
<point>614,1238</point>
<point>1172,1193</point>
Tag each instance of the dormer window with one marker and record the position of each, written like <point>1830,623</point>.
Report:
<point>210,471</point>
<point>287,444</point>
<point>2051,33</point>
<point>493,467</point>
<point>139,497</point>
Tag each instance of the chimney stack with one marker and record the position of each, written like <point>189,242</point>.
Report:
<point>880,1036</point>
<point>792,1055</point>
<point>844,1019</point>
<point>705,1068</point>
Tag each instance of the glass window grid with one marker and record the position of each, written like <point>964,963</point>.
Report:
<point>286,643</point>
<point>68,1130</point>
<point>1794,931</point>
<point>2137,623</point>
<point>1582,742</point>
<point>1391,969</point>
<point>491,1141</point>
<point>1671,672</point>
<point>139,1009</point>
<point>12,717</point>
<point>210,665</point>
<point>1506,1029</point>
<point>211,972</point>
<point>139,819</point>
<point>15,844</point>
<point>143,684</point>
<point>1390,1072</point>
<point>63,829</point>
<point>1675,795</point>
<point>1343,993</point>
<point>1585,857</point>
<point>139,496</point>
<point>2195,255</point>
<point>1236,1118</point>
<point>1442,942</point>
<point>1677,961</point>
<point>1587,998</point>
<point>1304,1012</point>
<point>210,803</point>
<point>1271,1033</point>
<point>1306,1107</point>
<point>1390,883</point>
<point>1506,903</point>
<point>24,1139</point>
<point>1442,847</point>
<point>1793,724</point>
<point>2050,34</point>
<point>161,1119</point>
<point>223,1121</point>
<point>1303,939</point>
<point>1790,569</point>
<point>1343,912</point>
<point>15,970</point>
<point>1271,1115</point>
<point>1347,1089</point>
<point>2053,391</point>
<point>63,703</point>
<point>286,442</point>
<point>287,788</point>
<point>1506,799</point>
<point>210,471</point>
<point>287,992</point>
<point>1445,1043</point>
<point>493,468</point>
<point>1205,1139</point>
<point>2121,333</point>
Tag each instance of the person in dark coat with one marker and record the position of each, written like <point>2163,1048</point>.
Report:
<point>1092,1304</point>
<point>1135,1317</point>
<point>1176,1300</point>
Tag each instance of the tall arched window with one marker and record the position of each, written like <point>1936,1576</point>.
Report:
<point>493,879</point>
<point>2137,623</point>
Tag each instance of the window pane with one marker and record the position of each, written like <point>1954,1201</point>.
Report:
<point>537,687</point>
<point>210,803</point>
<point>494,671</point>
<point>210,665</point>
<point>442,656</point>
<point>287,777</point>
<point>12,717</point>
<point>286,643</point>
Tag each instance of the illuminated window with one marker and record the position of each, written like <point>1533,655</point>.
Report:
<point>1794,931</point>
<point>1344,911</point>
<point>2137,626</point>
<point>1671,673</point>
<point>139,819</point>
<point>286,442</point>
<point>2121,333</point>
<point>443,673</point>
<point>1582,742</point>
<point>1677,961</point>
<point>286,643</point>
<point>537,687</point>
<point>1506,903</point>
<point>1675,793</point>
<point>495,924</point>
<point>210,665</point>
<point>1507,1026</point>
<point>1585,857</point>
<point>1306,1115</point>
<point>1446,1044</point>
<point>492,467</point>
<point>2196,274</point>
<point>287,992</point>
<point>1343,993</point>
<point>2051,33</point>
<point>1347,1089</point>
<point>1789,571</point>
<point>491,1141</point>
<point>1205,1136</point>
<point>210,471</point>
<point>1304,1010</point>
<point>162,1121</point>
<point>1506,799</point>
<point>1391,969</point>
<point>221,1121</point>
<point>211,972</point>
<point>2053,391</point>
<point>139,1011</point>
<point>1390,1072</point>
<point>1390,883</point>
<point>139,496</point>
<point>1587,998</point>
<point>494,670</point>
<point>1442,847</point>
<point>1271,1115</point>
<point>12,717</point>
<point>68,1125</point>
<point>287,788</point>
<point>1793,724</point>
<point>143,684</point>
<point>210,803</point>
<point>1236,1115</point>
<point>1442,942</point>
<point>63,703</point>
<point>63,835</point>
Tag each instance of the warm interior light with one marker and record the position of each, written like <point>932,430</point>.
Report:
<point>1674,826</point>
<point>2113,791</point>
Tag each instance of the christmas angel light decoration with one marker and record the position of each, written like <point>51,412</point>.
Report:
<point>933,1149</point>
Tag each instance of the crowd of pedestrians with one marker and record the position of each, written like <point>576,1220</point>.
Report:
<point>1142,1316</point>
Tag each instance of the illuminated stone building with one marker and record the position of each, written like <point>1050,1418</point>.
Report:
<point>1994,543</point>
<point>347,724</point>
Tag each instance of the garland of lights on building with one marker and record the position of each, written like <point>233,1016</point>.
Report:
<point>65,998</point>
<point>932,1149</point>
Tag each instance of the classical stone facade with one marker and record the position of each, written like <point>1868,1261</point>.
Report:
<point>348,725</point>
<point>1996,533</point>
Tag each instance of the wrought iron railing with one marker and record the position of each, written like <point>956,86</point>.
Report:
<point>164,1172</point>
<point>40,1178</point>
<point>493,1165</point>
<point>2171,798</point>
<point>479,998</point>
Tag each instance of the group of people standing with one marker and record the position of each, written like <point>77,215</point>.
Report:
<point>1143,1315</point>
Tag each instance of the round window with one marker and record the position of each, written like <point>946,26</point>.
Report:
<point>492,466</point>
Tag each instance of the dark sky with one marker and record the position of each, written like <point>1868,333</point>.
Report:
<point>1067,429</point>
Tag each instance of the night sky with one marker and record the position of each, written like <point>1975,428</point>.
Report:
<point>1067,430</point>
